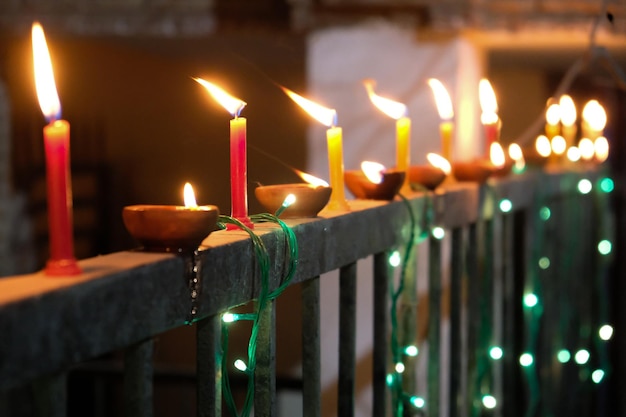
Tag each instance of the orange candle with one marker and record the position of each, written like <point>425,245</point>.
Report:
<point>57,148</point>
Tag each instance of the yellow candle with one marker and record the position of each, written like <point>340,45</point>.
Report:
<point>553,120</point>
<point>446,112</point>
<point>403,148</point>
<point>335,166</point>
<point>445,131</point>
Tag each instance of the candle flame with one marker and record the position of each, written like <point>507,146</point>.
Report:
<point>496,154</point>
<point>594,115</point>
<point>440,162</point>
<point>488,102</point>
<point>568,111</point>
<point>44,75</point>
<point>442,99</point>
<point>542,145</point>
<point>601,146</point>
<point>391,108</point>
<point>574,153</point>
<point>324,115</point>
<point>232,104</point>
<point>188,196</point>
<point>587,150</point>
<point>373,171</point>
<point>311,179</point>
<point>553,114</point>
<point>515,152</point>
<point>558,145</point>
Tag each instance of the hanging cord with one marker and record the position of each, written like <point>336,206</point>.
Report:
<point>265,296</point>
<point>399,396</point>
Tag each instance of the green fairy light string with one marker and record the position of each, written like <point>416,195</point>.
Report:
<point>265,296</point>
<point>399,397</point>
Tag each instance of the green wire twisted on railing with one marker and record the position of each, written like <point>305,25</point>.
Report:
<point>265,296</point>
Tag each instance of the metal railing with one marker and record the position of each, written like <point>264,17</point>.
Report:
<point>489,249</point>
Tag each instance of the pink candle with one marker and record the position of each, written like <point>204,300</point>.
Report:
<point>57,148</point>
<point>238,164</point>
<point>238,171</point>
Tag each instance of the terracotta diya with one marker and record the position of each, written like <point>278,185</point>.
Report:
<point>310,199</point>
<point>167,228</point>
<point>374,182</point>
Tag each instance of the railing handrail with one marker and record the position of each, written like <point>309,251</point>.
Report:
<point>48,324</point>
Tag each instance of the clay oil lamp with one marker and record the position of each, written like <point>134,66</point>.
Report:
<point>168,228</point>
<point>374,182</point>
<point>309,198</point>
<point>432,175</point>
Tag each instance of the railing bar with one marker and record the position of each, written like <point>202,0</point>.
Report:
<point>51,395</point>
<point>265,373</point>
<point>138,373</point>
<point>473,319</point>
<point>381,315</point>
<point>434,326</point>
<point>311,383</point>
<point>347,340</point>
<point>208,363</point>
<point>455,351</point>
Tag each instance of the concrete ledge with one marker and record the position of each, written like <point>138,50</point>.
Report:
<point>48,324</point>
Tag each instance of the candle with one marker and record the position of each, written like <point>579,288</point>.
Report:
<point>446,113</point>
<point>57,148</point>
<point>553,119</point>
<point>328,117</point>
<point>238,149</point>
<point>397,111</point>
<point>594,120</point>
<point>568,119</point>
<point>489,116</point>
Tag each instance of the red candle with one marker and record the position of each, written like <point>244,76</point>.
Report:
<point>57,148</point>
<point>238,164</point>
<point>489,116</point>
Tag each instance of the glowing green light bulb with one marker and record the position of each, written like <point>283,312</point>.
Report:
<point>395,259</point>
<point>506,205</point>
<point>605,247</point>
<point>438,232</point>
<point>607,185</point>
<point>411,350</point>
<point>582,356</point>
<point>584,186</point>
<point>563,355</point>
<point>399,367</point>
<point>241,365</point>
<point>228,317</point>
<point>496,353</point>
<point>489,401</point>
<point>526,359</point>
<point>544,262</point>
<point>389,379</point>
<point>530,300</point>
<point>417,402</point>
<point>605,332</point>
<point>544,213</point>
<point>597,376</point>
